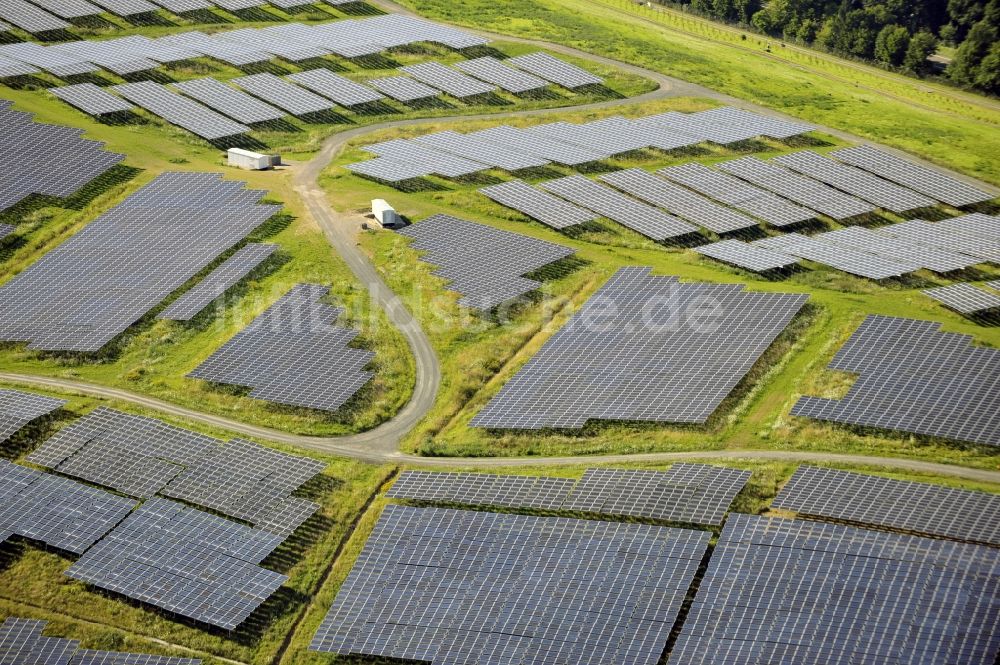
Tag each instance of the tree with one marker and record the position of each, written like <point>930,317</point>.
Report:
<point>988,75</point>
<point>965,66</point>
<point>922,46</point>
<point>891,45</point>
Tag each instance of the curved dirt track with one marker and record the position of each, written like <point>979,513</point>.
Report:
<point>381,444</point>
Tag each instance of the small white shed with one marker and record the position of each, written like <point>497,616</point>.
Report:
<point>252,161</point>
<point>385,214</point>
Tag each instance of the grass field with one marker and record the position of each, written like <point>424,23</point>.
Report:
<point>945,126</point>
<point>479,355</point>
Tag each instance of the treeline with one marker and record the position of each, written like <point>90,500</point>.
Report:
<point>900,34</point>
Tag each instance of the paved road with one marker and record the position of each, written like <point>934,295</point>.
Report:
<point>381,444</point>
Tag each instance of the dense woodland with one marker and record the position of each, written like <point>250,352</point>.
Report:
<point>899,34</point>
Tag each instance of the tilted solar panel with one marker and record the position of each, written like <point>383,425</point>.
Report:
<point>645,358</point>
<point>293,354</point>
<point>180,111</point>
<point>553,69</point>
<point>915,378</point>
<point>483,264</point>
<point>237,105</point>
<point>895,504</point>
<point>18,408</point>
<point>91,99</point>
<point>788,591</point>
<point>546,208</point>
<point>964,298</point>
<point>745,255</point>
<point>511,589</point>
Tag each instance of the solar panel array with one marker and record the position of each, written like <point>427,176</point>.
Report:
<point>17,409</point>
<point>915,378</point>
<point>252,483</point>
<point>30,18</point>
<point>919,178</point>
<point>797,188</point>
<point>694,493</point>
<point>127,7</point>
<point>841,257</point>
<point>738,194</point>
<point>229,52</point>
<point>476,149</point>
<point>745,255</point>
<point>91,288</point>
<point>946,237</point>
<point>143,457</point>
<point>134,455</point>
<point>553,69</point>
<point>180,111</point>
<point>114,62</point>
<point>785,591</point>
<point>875,190</point>
<point>640,217</point>
<point>542,206</point>
<point>495,72</point>
<point>338,88</point>
<point>283,94</point>
<point>895,504</point>
<point>637,352</point>
<point>964,298</point>
<point>293,354</point>
<point>91,99</point>
<point>403,88</point>
<point>726,124</point>
<point>433,160</point>
<point>57,511</point>
<point>11,68</point>
<point>574,145</point>
<point>51,160</point>
<point>6,230</point>
<point>51,60</point>
<point>237,105</point>
<point>69,8</point>
<point>185,561</point>
<point>450,587</point>
<point>679,201</point>
<point>483,264</point>
<point>898,249</point>
<point>220,280</point>
<point>448,80</point>
<point>22,643</point>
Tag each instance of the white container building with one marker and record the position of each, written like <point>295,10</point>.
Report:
<point>252,161</point>
<point>385,214</point>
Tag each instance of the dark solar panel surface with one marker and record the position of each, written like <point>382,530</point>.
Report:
<point>451,586</point>
<point>220,280</point>
<point>644,359</point>
<point>293,354</point>
<point>17,409</point>
<point>91,288</point>
<point>483,264</point>
<point>810,593</point>
<point>184,561</point>
<point>59,512</point>
<point>906,505</point>
<point>51,160</point>
<point>915,378</point>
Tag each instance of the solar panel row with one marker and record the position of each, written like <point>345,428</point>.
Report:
<point>785,591</point>
<point>233,103</point>
<point>184,561</point>
<point>57,511</point>
<point>643,348</point>
<point>694,493</point>
<point>895,504</point>
<point>220,280</point>
<point>842,257</point>
<point>22,643</point>
<point>450,587</point>
<point>542,206</point>
<point>180,111</point>
<point>964,298</point>
<point>915,378</point>
<point>483,264</point>
<point>17,409</point>
<point>746,255</point>
<point>91,288</point>
<point>143,457</point>
<point>293,354</point>
<point>91,99</point>
<point>30,18</point>
<point>51,160</point>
